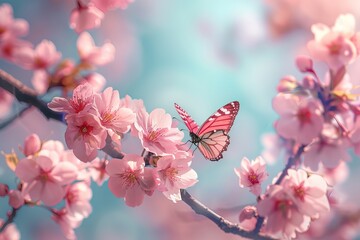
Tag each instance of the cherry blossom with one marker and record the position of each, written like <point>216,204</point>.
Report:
<point>77,199</point>
<point>114,118</point>
<point>42,57</point>
<point>85,135</point>
<point>300,118</point>
<point>45,175</point>
<point>309,191</point>
<point>156,132</point>
<point>129,179</point>
<point>96,80</point>
<point>82,100</point>
<point>252,174</point>
<point>97,170</point>
<point>85,17</point>
<point>10,27</point>
<point>283,219</point>
<point>92,55</point>
<point>67,222</point>
<point>175,174</point>
<point>337,46</point>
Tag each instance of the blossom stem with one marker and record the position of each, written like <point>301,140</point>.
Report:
<point>221,222</point>
<point>10,219</point>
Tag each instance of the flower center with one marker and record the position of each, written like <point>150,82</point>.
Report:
<point>334,48</point>
<point>299,192</point>
<point>171,174</point>
<point>283,206</point>
<point>85,129</point>
<point>129,177</point>
<point>77,104</point>
<point>304,115</point>
<point>253,178</point>
<point>154,135</point>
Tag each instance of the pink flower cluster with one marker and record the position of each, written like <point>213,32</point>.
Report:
<point>88,14</point>
<point>44,57</point>
<point>48,175</point>
<point>322,115</point>
<point>92,118</point>
<point>291,206</point>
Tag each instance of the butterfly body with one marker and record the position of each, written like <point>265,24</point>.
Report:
<point>212,137</point>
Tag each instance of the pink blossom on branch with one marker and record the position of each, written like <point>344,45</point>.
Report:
<point>129,179</point>
<point>283,219</point>
<point>156,132</point>
<point>10,27</point>
<point>115,119</point>
<point>175,173</point>
<point>252,174</point>
<point>309,191</point>
<point>45,176</point>
<point>77,199</point>
<point>85,17</point>
<point>300,118</point>
<point>337,46</point>
<point>42,57</point>
<point>82,100</point>
<point>85,135</point>
<point>92,55</point>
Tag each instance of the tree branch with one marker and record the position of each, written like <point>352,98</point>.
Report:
<point>221,222</point>
<point>27,95</point>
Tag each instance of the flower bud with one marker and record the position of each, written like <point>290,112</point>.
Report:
<point>247,218</point>
<point>32,145</point>
<point>4,190</point>
<point>308,82</point>
<point>16,199</point>
<point>304,63</point>
<point>287,84</point>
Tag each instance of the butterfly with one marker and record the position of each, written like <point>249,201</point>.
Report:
<point>212,137</point>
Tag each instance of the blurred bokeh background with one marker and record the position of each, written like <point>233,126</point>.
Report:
<point>200,54</point>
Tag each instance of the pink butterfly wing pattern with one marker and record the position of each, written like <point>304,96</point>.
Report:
<point>189,122</point>
<point>212,137</point>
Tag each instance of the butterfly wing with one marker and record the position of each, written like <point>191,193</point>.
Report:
<point>189,122</point>
<point>213,143</point>
<point>222,119</point>
<point>213,134</point>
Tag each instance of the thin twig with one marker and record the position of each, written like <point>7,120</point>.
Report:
<point>221,222</point>
<point>10,219</point>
